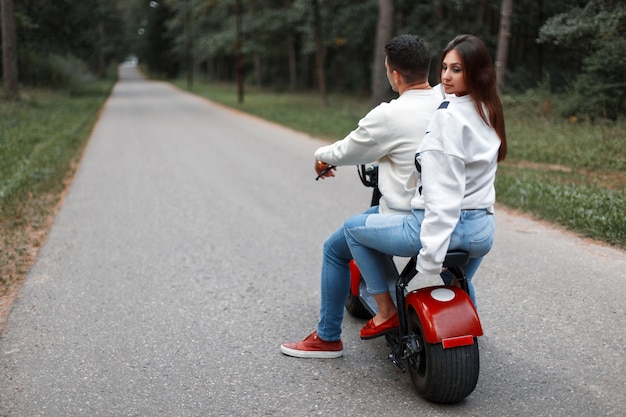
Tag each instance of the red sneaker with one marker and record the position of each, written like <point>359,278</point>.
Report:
<point>389,326</point>
<point>313,347</point>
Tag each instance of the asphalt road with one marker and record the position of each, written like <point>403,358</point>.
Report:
<point>188,248</point>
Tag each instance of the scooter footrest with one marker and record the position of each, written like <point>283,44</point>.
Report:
<point>394,359</point>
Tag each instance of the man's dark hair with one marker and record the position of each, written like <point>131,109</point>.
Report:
<point>410,56</point>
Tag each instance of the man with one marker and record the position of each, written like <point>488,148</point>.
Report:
<point>389,134</point>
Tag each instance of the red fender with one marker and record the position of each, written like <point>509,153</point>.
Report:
<point>355,278</point>
<point>447,315</point>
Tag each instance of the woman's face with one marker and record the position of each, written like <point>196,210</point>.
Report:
<point>452,74</point>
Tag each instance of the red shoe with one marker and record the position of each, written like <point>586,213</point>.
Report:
<point>389,326</point>
<point>313,347</point>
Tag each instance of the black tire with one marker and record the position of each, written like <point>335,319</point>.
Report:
<point>356,308</point>
<point>442,375</point>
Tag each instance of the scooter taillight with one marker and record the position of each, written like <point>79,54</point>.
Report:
<point>453,342</point>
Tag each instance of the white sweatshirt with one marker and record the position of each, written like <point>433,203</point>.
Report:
<point>389,134</point>
<point>458,158</point>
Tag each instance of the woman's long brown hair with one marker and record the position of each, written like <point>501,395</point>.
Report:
<point>480,80</point>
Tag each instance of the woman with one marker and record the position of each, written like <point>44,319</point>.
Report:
<point>456,164</point>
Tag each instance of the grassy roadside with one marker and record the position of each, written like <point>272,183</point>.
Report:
<point>42,136</point>
<point>566,171</point>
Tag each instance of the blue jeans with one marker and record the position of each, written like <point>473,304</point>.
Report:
<point>373,237</point>
<point>335,282</point>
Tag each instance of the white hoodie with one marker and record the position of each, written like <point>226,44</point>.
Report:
<point>389,134</point>
<point>458,159</point>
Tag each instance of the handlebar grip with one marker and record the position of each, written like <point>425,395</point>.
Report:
<point>326,170</point>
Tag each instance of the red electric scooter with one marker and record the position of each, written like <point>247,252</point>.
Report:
<point>437,339</point>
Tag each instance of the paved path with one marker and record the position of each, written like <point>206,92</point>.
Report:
<point>188,249</point>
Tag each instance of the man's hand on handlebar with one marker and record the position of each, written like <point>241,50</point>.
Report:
<point>324,170</point>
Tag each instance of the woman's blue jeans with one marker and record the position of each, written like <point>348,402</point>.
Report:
<point>373,237</point>
<point>335,282</point>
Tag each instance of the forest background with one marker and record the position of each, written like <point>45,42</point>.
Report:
<point>316,65</point>
<point>569,46</point>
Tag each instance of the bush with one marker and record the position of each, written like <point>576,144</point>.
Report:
<point>52,70</point>
<point>596,33</point>
<point>600,91</point>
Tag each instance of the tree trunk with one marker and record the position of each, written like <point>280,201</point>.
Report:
<point>239,47</point>
<point>319,53</point>
<point>9,49</point>
<point>101,71</point>
<point>257,68</point>
<point>189,44</point>
<point>380,85</point>
<point>503,42</point>
<point>481,12</point>
<point>291,50</point>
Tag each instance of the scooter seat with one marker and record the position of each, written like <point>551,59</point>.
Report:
<point>456,258</point>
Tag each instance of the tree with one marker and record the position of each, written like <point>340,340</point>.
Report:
<point>320,52</point>
<point>189,55</point>
<point>154,43</point>
<point>9,49</point>
<point>63,42</point>
<point>329,46</point>
<point>380,86</point>
<point>597,33</point>
<point>239,50</point>
<point>503,41</point>
<point>291,50</point>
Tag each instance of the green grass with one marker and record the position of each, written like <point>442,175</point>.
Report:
<point>565,198</point>
<point>302,111</point>
<point>537,133</point>
<point>42,135</point>
<point>567,171</point>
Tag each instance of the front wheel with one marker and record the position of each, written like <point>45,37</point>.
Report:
<point>442,375</point>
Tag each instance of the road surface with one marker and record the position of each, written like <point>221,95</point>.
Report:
<point>188,248</point>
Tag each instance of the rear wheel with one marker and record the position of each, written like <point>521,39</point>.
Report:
<point>356,308</point>
<point>442,375</point>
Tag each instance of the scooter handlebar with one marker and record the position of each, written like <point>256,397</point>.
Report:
<point>325,171</point>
